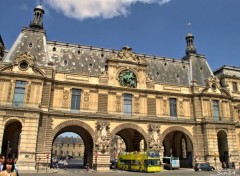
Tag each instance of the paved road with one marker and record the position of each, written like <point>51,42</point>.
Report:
<point>81,172</point>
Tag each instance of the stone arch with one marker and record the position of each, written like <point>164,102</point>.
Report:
<point>12,119</point>
<point>175,128</point>
<point>130,126</point>
<point>171,141</point>
<point>12,130</point>
<point>73,123</point>
<point>84,130</point>
<point>223,149</point>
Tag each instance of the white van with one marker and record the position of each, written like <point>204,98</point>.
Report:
<point>170,163</point>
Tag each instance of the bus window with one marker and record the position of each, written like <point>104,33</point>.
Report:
<point>154,162</point>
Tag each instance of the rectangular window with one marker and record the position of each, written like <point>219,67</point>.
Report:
<point>173,107</point>
<point>76,97</point>
<point>127,104</point>
<point>19,93</point>
<point>216,109</point>
<point>235,86</point>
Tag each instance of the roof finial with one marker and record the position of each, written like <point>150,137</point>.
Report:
<point>190,41</point>
<point>37,21</point>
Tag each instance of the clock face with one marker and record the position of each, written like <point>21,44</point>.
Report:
<point>127,79</point>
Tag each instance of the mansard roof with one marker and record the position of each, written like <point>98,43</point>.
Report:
<point>89,60</point>
<point>228,71</point>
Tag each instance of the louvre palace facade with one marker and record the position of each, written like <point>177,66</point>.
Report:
<point>179,107</point>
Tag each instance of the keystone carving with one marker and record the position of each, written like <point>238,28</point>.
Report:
<point>102,142</point>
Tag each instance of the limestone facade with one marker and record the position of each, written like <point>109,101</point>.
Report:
<point>180,107</point>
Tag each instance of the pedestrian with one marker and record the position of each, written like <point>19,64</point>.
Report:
<point>9,171</point>
<point>15,165</point>
<point>233,165</point>
<point>65,163</point>
<point>87,167</point>
<point>224,166</point>
<point>2,161</point>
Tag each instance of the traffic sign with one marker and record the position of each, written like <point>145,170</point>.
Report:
<point>47,156</point>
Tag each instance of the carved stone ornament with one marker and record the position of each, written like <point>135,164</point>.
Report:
<point>65,98</point>
<point>118,103</point>
<point>24,56</point>
<point>154,136</point>
<point>137,105</point>
<point>102,143</point>
<point>126,54</point>
<point>86,101</point>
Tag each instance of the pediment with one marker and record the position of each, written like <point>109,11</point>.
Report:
<point>213,86</point>
<point>126,54</point>
<point>23,64</point>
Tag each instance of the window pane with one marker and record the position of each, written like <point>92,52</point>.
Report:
<point>235,86</point>
<point>173,107</point>
<point>127,104</point>
<point>216,109</point>
<point>75,101</point>
<point>19,92</point>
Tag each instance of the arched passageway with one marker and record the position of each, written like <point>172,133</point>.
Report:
<point>86,148</point>
<point>223,146</point>
<point>127,137</point>
<point>178,144</point>
<point>11,138</point>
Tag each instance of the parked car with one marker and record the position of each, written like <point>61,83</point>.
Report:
<point>203,167</point>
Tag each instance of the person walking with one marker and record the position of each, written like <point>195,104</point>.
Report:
<point>65,163</point>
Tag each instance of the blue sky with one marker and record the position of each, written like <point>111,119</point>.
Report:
<point>154,27</point>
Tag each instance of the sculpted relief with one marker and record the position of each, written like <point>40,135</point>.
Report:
<point>154,136</point>
<point>102,142</point>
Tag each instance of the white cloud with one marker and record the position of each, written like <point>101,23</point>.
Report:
<point>83,9</point>
<point>24,7</point>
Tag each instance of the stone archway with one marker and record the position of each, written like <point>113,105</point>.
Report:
<point>84,131</point>
<point>11,137</point>
<point>223,146</point>
<point>132,135</point>
<point>178,142</point>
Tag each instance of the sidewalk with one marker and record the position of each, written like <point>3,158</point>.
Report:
<point>41,171</point>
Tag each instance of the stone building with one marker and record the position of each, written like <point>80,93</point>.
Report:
<point>68,147</point>
<point>177,106</point>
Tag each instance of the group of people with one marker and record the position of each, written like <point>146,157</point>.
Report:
<point>8,167</point>
<point>55,162</point>
<point>226,165</point>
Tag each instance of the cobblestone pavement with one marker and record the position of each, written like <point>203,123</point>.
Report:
<point>81,172</point>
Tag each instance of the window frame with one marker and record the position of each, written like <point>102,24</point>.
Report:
<point>76,99</point>
<point>127,104</point>
<point>173,107</point>
<point>19,92</point>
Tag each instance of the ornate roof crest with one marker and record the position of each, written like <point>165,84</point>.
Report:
<point>126,54</point>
